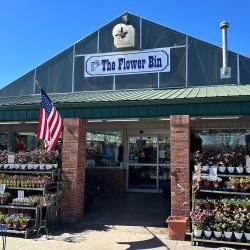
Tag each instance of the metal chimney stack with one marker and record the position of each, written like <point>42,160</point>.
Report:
<point>225,71</point>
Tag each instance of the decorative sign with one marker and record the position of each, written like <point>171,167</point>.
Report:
<point>20,194</point>
<point>11,158</point>
<point>2,188</point>
<point>133,62</point>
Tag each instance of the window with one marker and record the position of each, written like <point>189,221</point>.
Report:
<point>104,148</point>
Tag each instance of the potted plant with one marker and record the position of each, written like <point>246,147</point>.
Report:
<point>247,227</point>
<point>216,181</point>
<point>9,221</point>
<point>238,224</point>
<point>177,226</point>
<point>217,230</point>
<point>208,229</point>
<point>4,198</point>
<point>198,204</point>
<point>2,218</point>
<point>24,221</point>
<point>234,182</point>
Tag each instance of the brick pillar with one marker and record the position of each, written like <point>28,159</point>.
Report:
<point>180,144</point>
<point>73,168</point>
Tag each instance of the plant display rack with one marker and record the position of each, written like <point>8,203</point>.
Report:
<point>38,219</point>
<point>212,192</point>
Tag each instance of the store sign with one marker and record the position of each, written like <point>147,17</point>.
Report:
<point>135,62</point>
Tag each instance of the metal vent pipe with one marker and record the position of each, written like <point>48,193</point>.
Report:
<point>224,26</point>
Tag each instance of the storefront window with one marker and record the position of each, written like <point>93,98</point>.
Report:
<point>215,142</point>
<point>104,148</point>
<point>3,141</point>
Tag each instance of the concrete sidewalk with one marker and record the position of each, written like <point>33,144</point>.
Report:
<point>104,237</point>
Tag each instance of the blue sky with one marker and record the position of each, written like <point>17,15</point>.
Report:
<point>33,31</point>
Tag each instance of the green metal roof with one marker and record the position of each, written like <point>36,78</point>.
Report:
<point>213,100</point>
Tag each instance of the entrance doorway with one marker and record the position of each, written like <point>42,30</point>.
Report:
<point>148,163</point>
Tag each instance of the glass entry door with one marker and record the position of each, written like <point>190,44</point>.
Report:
<point>146,163</point>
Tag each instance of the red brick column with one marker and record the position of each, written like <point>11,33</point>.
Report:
<point>73,168</point>
<point>180,144</point>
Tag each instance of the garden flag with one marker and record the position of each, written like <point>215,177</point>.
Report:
<point>50,123</point>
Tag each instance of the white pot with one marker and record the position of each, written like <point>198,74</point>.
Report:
<point>1,166</point>
<point>197,233</point>
<point>42,166</point>
<point>228,235</point>
<point>230,169</point>
<point>239,170</point>
<point>49,166</point>
<point>5,166</point>
<point>23,166</point>
<point>247,236</point>
<point>207,233</point>
<point>217,234</point>
<point>248,170</point>
<point>30,166</point>
<point>205,168</point>
<point>222,169</point>
<point>17,166</point>
<point>36,166</point>
<point>12,166</point>
<point>238,236</point>
<point>55,165</point>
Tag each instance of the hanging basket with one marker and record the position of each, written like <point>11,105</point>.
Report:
<point>177,226</point>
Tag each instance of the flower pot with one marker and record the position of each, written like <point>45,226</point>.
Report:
<point>243,186</point>
<point>247,236</point>
<point>208,234</point>
<point>17,166</point>
<point>23,166</point>
<point>222,169</point>
<point>30,166</point>
<point>42,166</point>
<point>12,166</point>
<point>234,185</point>
<point>55,165</point>
<point>177,226</point>
<point>206,183</point>
<point>230,169</point>
<point>2,222</point>
<point>36,166</point>
<point>198,206</point>
<point>205,168</point>
<point>24,224</point>
<point>16,224</point>
<point>197,233</point>
<point>238,236</point>
<point>239,170</point>
<point>217,234</point>
<point>207,205</point>
<point>228,235</point>
<point>6,166</point>
<point>215,184</point>
<point>4,200</point>
<point>49,166</point>
<point>248,170</point>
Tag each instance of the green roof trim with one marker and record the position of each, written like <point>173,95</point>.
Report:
<point>197,101</point>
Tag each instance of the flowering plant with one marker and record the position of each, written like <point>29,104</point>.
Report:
<point>202,219</point>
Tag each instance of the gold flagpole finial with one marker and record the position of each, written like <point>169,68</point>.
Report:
<point>38,84</point>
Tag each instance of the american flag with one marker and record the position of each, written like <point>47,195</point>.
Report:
<point>50,123</point>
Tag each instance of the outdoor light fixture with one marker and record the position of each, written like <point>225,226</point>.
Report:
<point>17,122</point>
<point>124,120</point>
<point>165,119</point>
<point>220,118</point>
<point>95,120</point>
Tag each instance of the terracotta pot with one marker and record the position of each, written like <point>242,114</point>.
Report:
<point>207,205</point>
<point>4,200</point>
<point>247,208</point>
<point>177,226</point>
<point>198,206</point>
<point>2,222</point>
<point>206,183</point>
<point>24,224</point>
<point>243,185</point>
<point>16,224</point>
<point>215,184</point>
<point>234,185</point>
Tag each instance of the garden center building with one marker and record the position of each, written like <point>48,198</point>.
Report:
<point>130,94</point>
